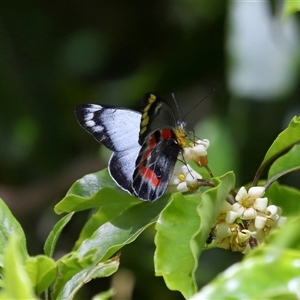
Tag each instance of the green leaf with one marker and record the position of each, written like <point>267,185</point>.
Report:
<point>182,230</point>
<point>69,265</point>
<point>105,295</point>
<point>108,239</point>
<point>92,191</point>
<point>288,161</point>
<point>109,207</point>
<point>271,274</point>
<point>123,229</point>
<point>104,269</point>
<point>288,236</point>
<point>41,271</point>
<point>285,140</point>
<point>287,198</point>
<point>290,7</point>
<point>16,283</point>
<point>9,226</point>
<point>90,184</point>
<point>55,233</point>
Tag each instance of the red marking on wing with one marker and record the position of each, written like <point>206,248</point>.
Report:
<point>147,173</point>
<point>166,134</point>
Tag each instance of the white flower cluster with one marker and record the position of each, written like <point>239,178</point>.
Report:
<point>197,152</point>
<point>184,177</point>
<point>249,217</point>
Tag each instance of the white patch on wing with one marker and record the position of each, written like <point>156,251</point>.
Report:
<point>90,123</point>
<point>98,128</point>
<point>89,116</point>
<point>122,126</point>
<point>94,107</point>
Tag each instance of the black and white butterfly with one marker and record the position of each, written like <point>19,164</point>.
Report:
<point>145,145</point>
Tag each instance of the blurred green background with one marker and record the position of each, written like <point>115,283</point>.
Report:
<point>55,55</point>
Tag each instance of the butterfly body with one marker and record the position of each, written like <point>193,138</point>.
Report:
<point>145,145</point>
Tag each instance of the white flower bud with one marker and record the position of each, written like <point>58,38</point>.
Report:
<point>271,211</point>
<point>198,150</point>
<point>204,142</point>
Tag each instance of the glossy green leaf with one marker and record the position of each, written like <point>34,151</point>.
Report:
<point>100,270</point>
<point>93,190</point>
<point>41,271</point>
<point>273,274</point>
<point>123,229</point>
<point>287,138</point>
<point>55,233</point>
<point>90,184</point>
<point>182,230</point>
<point>16,283</point>
<point>110,206</point>
<point>9,226</point>
<point>288,161</point>
<point>288,198</point>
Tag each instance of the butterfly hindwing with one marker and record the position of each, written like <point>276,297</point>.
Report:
<point>155,164</point>
<point>117,129</point>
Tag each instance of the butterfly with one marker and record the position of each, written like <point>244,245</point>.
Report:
<point>145,145</point>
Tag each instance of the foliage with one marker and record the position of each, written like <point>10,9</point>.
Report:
<point>182,223</point>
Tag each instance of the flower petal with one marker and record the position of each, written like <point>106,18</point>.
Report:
<point>222,231</point>
<point>238,208</point>
<point>225,207</point>
<point>256,191</point>
<point>260,204</point>
<point>182,187</point>
<point>260,222</point>
<point>198,150</point>
<point>249,213</point>
<point>242,193</point>
<point>231,216</point>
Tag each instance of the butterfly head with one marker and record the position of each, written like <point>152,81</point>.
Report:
<point>180,134</point>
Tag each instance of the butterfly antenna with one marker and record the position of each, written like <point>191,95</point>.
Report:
<point>198,104</point>
<point>177,107</point>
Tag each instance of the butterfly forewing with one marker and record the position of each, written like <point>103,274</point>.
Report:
<point>117,129</point>
<point>156,115</point>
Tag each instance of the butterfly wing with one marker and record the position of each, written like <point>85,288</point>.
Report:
<point>118,130</point>
<point>155,164</point>
<point>156,114</point>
